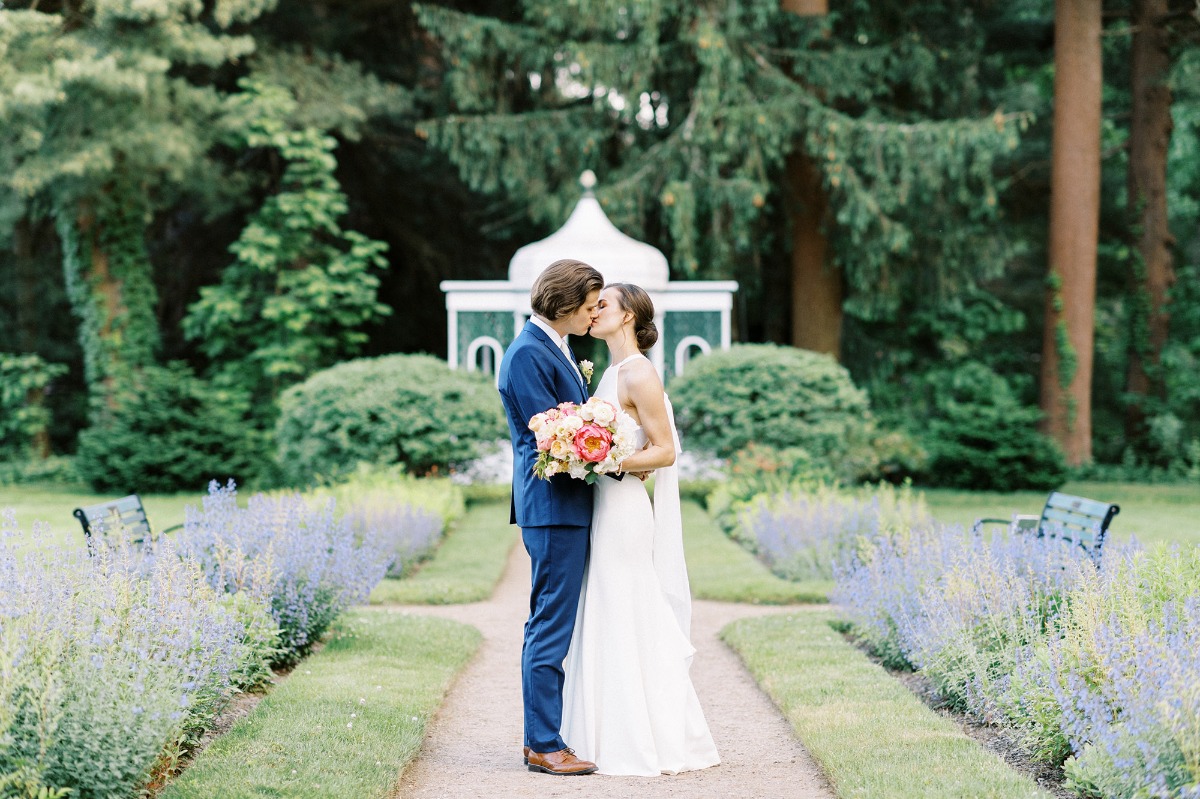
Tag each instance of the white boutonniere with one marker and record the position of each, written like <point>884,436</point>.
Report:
<point>585,368</point>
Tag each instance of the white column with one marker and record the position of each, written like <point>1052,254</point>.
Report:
<point>452,335</point>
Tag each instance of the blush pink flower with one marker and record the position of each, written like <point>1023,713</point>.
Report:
<point>592,443</point>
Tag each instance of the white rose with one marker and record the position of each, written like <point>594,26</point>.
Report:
<point>572,424</point>
<point>578,471</point>
<point>604,413</point>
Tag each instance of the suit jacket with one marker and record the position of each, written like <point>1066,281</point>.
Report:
<point>535,376</point>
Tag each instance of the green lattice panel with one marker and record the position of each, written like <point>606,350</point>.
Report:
<point>678,325</point>
<point>473,324</point>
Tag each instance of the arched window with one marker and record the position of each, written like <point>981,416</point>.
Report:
<point>483,355</point>
<point>687,349</point>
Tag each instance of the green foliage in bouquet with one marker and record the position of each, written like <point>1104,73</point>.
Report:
<point>169,431</point>
<point>980,436</point>
<point>779,396</point>
<point>408,409</point>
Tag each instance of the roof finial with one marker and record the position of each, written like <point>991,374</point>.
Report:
<point>587,180</point>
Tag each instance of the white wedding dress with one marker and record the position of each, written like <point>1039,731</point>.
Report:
<point>628,703</point>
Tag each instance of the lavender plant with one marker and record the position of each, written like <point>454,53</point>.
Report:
<point>407,534</point>
<point>801,533</point>
<point>298,557</point>
<point>957,604</point>
<point>108,665</point>
<point>1121,672</point>
<point>402,516</point>
<point>1097,667</point>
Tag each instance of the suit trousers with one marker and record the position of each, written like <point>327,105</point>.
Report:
<point>559,556</point>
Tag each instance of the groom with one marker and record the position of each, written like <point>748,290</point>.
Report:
<point>538,372</point>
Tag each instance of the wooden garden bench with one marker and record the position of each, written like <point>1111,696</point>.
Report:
<point>125,514</point>
<point>1076,520</point>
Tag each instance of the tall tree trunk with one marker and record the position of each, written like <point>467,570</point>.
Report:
<point>1068,341</point>
<point>1149,138</point>
<point>806,8</point>
<point>816,285</point>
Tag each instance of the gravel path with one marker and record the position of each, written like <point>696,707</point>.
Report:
<point>473,748</point>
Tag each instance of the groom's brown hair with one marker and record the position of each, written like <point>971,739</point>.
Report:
<point>563,287</point>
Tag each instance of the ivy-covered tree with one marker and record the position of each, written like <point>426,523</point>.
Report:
<point>301,287</point>
<point>690,111</point>
<point>110,115</point>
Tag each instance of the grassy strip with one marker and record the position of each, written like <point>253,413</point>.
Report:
<point>720,569</point>
<point>465,568</point>
<point>869,733</point>
<point>346,722</point>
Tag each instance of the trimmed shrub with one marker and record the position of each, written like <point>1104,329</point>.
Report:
<point>408,409</point>
<point>981,437</point>
<point>780,396</point>
<point>169,431</point>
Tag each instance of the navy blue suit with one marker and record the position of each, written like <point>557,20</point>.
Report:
<point>555,517</point>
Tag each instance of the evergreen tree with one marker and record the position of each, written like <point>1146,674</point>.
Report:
<point>690,111</point>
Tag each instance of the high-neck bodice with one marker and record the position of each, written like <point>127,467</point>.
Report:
<point>606,389</point>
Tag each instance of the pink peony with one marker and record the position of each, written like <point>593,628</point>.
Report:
<point>592,443</point>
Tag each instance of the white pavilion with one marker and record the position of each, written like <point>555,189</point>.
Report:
<point>484,316</point>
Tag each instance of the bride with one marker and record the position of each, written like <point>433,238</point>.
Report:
<point>628,703</point>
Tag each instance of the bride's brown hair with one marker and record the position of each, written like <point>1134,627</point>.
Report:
<point>635,300</point>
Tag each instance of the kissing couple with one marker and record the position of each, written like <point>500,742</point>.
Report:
<point>607,647</point>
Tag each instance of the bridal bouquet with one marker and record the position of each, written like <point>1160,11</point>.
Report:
<point>582,440</point>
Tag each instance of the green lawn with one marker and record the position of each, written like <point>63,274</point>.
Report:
<point>870,734</point>
<point>346,722</point>
<point>1153,513</point>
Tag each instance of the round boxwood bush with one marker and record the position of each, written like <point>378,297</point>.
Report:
<point>407,409</point>
<point>168,430</point>
<point>980,436</point>
<point>779,396</point>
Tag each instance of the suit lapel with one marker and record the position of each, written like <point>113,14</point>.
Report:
<point>559,354</point>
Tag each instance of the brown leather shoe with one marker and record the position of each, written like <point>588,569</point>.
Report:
<point>525,751</point>
<point>562,763</point>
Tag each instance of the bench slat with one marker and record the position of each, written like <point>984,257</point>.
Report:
<point>105,517</point>
<point>1079,505</point>
<point>1069,519</point>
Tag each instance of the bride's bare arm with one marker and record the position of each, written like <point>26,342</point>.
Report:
<point>643,391</point>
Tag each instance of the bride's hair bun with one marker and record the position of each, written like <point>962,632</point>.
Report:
<point>636,301</point>
<point>647,335</point>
